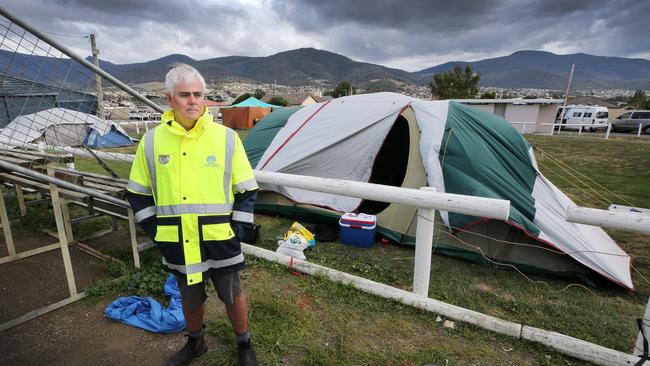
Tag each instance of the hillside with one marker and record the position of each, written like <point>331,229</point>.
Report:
<point>295,67</point>
<point>546,70</point>
<point>522,69</point>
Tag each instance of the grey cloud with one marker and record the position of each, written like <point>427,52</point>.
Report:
<point>314,15</point>
<point>183,25</point>
<point>130,14</point>
<point>560,8</point>
<point>378,31</point>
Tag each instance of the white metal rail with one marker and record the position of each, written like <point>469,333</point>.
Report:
<point>632,221</point>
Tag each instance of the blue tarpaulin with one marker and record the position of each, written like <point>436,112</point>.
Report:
<point>147,313</point>
<point>112,138</point>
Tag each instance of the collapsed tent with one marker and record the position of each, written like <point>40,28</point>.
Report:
<point>391,139</point>
<point>246,114</point>
<point>64,127</point>
<point>112,138</point>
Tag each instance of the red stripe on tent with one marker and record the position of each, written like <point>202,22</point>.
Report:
<point>294,133</point>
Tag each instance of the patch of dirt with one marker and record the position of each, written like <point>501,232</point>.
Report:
<point>78,333</point>
<point>488,288</point>
<point>485,287</point>
<point>31,283</point>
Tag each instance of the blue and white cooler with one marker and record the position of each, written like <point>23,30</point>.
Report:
<point>358,229</point>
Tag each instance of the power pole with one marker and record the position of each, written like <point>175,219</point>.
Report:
<point>98,79</point>
<point>568,85</point>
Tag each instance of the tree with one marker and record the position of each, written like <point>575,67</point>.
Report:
<point>277,100</point>
<point>383,85</point>
<point>242,98</point>
<point>638,100</point>
<point>455,84</point>
<point>259,93</point>
<point>342,89</point>
<point>489,95</point>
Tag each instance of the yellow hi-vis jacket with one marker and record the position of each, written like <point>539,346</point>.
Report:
<point>184,186</point>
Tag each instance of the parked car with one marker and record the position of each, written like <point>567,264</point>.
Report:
<point>629,121</point>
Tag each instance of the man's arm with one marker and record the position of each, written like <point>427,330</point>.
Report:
<point>242,216</point>
<point>245,190</point>
<point>139,192</point>
<point>145,212</point>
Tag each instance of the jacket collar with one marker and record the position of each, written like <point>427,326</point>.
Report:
<point>168,121</point>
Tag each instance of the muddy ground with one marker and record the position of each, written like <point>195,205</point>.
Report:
<point>78,333</point>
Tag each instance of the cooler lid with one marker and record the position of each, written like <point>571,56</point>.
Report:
<point>358,218</point>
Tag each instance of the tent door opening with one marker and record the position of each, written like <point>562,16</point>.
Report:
<point>390,165</point>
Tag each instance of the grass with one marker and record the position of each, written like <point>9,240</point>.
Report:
<point>615,170</point>
<point>309,320</point>
<point>91,165</point>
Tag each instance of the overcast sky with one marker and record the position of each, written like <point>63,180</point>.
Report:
<point>406,34</point>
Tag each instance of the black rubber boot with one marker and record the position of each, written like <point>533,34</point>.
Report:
<point>246,354</point>
<point>194,348</point>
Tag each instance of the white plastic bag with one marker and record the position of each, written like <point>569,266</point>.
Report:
<point>293,246</point>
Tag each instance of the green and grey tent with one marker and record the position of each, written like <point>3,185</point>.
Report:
<point>392,139</point>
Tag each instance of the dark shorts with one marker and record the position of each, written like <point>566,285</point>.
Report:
<point>227,285</point>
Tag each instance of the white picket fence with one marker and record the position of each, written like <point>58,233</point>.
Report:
<point>586,126</point>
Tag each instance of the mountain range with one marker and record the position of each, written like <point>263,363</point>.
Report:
<point>546,70</point>
<point>521,69</point>
<point>296,67</point>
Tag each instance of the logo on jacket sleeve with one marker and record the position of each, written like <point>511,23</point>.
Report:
<point>211,161</point>
<point>163,159</point>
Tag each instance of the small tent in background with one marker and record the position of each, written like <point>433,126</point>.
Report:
<point>392,139</point>
<point>246,114</point>
<point>111,138</point>
<point>64,127</point>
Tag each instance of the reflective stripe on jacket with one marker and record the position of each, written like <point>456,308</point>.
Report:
<point>188,182</point>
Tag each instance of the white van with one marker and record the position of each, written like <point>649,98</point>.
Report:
<point>574,115</point>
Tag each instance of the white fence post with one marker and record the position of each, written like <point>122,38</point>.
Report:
<point>638,133</point>
<point>609,129</point>
<point>423,246</point>
<point>638,349</point>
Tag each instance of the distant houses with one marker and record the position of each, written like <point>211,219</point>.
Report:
<point>214,107</point>
<point>300,99</point>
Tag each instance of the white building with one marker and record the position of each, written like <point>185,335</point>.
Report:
<point>525,115</point>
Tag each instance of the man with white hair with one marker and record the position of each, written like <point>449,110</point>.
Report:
<point>193,190</point>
